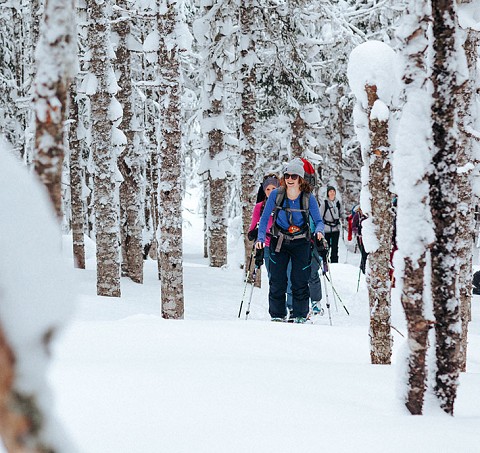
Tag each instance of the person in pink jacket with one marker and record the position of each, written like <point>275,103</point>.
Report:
<point>270,182</point>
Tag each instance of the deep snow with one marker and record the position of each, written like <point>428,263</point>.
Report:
<point>126,380</point>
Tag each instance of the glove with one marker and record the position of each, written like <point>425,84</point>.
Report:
<point>259,257</point>
<point>253,234</point>
<point>322,248</point>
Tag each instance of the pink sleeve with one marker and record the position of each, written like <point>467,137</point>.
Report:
<point>255,216</point>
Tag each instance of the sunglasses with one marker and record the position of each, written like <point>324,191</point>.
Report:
<point>288,175</point>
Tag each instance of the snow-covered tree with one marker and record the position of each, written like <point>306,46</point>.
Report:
<point>56,57</point>
<point>36,299</point>
<point>469,18</point>
<point>76,180</point>
<point>213,32</point>
<point>371,75</point>
<point>410,169</point>
<point>131,160</point>
<point>247,49</point>
<point>101,85</point>
<point>449,68</point>
<point>170,187</point>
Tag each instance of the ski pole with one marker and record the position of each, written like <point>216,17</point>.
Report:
<point>326,296</point>
<point>258,265</point>
<point>331,282</point>
<point>338,295</point>
<point>358,281</point>
<point>247,277</point>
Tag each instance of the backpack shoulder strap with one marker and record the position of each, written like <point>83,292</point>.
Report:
<point>305,207</point>
<point>279,202</point>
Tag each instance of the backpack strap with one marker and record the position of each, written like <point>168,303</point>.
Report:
<point>335,222</point>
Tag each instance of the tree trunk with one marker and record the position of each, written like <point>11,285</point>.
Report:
<point>213,112</point>
<point>466,223</point>
<point>297,145</point>
<point>130,161</point>
<point>206,197</point>
<point>106,208</point>
<point>51,91</point>
<point>170,195</point>
<point>248,121</point>
<point>444,203</point>
<point>412,190</point>
<point>418,327</point>
<point>20,417</point>
<point>76,182</point>
<point>379,260</point>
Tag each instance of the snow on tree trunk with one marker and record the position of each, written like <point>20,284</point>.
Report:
<point>130,162</point>
<point>382,222</point>
<point>36,299</point>
<point>105,190</point>
<point>211,36</point>
<point>444,202</point>
<point>248,118</point>
<point>413,152</point>
<point>55,57</point>
<point>371,77</point>
<point>76,181</point>
<point>205,196</point>
<point>170,194</point>
<point>466,116</point>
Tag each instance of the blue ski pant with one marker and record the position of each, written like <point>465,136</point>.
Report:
<point>298,253</point>
<point>314,284</point>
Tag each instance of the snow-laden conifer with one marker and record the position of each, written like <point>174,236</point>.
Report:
<point>410,169</point>
<point>169,232</point>
<point>371,74</point>
<point>469,36</point>
<point>248,119</point>
<point>131,160</point>
<point>100,84</point>
<point>214,34</point>
<point>448,73</point>
<point>36,299</point>
<point>56,59</point>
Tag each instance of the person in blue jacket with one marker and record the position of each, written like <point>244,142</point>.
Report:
<point>291,241</point>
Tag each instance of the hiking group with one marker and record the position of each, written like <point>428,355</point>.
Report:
<point>294,233</point>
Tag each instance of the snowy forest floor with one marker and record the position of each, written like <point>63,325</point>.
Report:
<point>126,381</point>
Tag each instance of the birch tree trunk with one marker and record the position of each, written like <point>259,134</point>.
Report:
<point>412,191</point>
<point>106,207</point>
<point>55,60</point>
<point>444,203</point>
<point>381,213</point>
<point>170,193</point>
<point>130,161</point>
<point>466,233</point>
<point>248,120</point>
<point>76,182</point>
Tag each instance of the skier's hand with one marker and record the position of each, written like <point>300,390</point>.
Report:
<point>319,236</point>
<point>252,234</point>
<point>259,245</point>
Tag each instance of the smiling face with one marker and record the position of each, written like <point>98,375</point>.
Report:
<point>292,181</point>
<point>331,194</point>
<point>268,189</point>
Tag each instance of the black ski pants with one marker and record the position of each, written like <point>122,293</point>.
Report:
<point>298,252</point>
<point>332,239</point>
